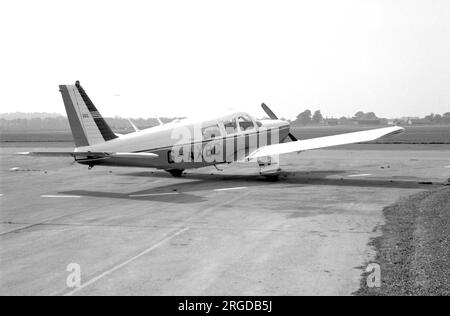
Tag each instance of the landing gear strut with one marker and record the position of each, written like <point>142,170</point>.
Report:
<point>269,167</point>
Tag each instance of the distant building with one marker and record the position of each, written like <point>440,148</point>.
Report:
<point>395,122</point>
<point>346,121</point>
<point>331,122</point>
<point>419,122</point>
<point>367,122</point>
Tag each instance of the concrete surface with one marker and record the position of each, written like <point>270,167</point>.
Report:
<point>135,231</point>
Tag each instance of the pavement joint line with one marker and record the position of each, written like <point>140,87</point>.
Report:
<point>180,231</point>
<point>229,189</point>
<point>61,196</point>
<point>198,227</point>
<point>215,207</point>
<point>183,223</point>
<point>153,194</point>
<point>360,175</point>
<point>124,263</point>
<point>174,193</point>
<point>44,222</point>
<point>48,220</point>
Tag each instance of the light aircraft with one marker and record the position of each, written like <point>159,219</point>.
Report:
<point>189,143</point>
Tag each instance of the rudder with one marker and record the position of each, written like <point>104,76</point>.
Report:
<point>87,125</point>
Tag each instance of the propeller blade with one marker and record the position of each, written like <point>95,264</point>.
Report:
<point>274,117</point>
<point>292,137</point>
<point>269,111</point>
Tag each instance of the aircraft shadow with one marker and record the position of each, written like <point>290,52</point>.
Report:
<point>298,178</point>
<point>184,190</point>
<point>153,195</point>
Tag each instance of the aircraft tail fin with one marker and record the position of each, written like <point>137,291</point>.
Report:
<point>87,125</point>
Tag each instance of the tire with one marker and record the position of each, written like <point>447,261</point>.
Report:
<point>176,172</point>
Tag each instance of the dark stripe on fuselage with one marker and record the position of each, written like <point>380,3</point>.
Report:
<point>247,144</point>
<point>235,147</point>
<point>257,139</point>
<point>224,139</point>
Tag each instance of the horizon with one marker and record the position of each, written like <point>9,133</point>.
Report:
<point>53,114</point>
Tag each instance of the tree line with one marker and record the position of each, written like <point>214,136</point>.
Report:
<point>61,123</point>
<point>308,117</point>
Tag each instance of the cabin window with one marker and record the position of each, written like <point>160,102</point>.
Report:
<point>230,126</point>
<point>245,123</point>
<point>211,132</point>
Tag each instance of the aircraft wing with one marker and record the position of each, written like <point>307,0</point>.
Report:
<point>322,142</point>
<point>88,156</point>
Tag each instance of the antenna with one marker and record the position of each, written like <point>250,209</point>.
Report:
<point>134,126</point>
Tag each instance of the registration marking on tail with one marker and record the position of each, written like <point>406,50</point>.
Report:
<point>62,196</point>
<point>359,175</point>
<point>153,194</point>
<point>229,189</point>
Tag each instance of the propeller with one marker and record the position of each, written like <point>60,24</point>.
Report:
<point>274,117</point>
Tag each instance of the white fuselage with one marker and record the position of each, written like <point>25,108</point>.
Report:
<point>186,143</point>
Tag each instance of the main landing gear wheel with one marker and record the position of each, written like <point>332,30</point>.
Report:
<point>176,172</point>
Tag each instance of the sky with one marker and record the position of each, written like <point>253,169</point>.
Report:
<point>185,58</point>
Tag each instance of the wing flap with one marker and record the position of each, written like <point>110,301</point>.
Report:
<point>323,142</point>
<point>134,155</point>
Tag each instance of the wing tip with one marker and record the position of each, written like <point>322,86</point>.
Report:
<point>395,130</point>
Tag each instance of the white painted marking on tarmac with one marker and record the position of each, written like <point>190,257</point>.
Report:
<point>359,175</point>
<point>153,194</point>
<point>228,189</point>
<point>448,167</point>
<point>62,196</point>
<point>121,265</point>
<point>1,194</point>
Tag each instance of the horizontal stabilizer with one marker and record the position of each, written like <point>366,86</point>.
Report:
<point>322,142</point>
<point>88,155</point>
<point>48,153</point>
